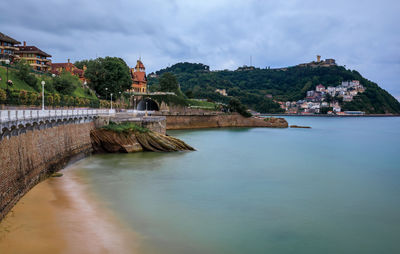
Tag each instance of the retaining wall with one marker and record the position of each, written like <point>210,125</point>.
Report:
<point>29,157</point>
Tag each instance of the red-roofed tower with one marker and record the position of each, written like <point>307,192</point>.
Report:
<point>139,79</point>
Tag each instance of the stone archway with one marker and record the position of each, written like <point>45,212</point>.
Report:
<point>151,105</point>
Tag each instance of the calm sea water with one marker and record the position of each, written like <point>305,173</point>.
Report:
<point>334,188</point>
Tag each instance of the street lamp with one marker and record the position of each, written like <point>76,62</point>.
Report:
<point>106,92</point>
<point>43,83</point>
<point>7,64</point>
<point>111,101</point>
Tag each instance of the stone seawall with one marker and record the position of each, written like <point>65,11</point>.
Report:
<point>178,122</point>
<point>30,157</point>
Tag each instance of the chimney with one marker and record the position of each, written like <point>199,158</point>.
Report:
<point>24,43</point>
<point>318,58</point>
<point>68,60</point>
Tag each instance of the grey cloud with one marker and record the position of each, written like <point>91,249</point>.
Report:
<point>362,35</point>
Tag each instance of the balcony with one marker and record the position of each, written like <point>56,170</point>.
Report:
<point>36,59</point>
<point>9,47</point>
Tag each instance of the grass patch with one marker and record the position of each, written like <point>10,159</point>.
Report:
<point>124,128</point>
<point>17,83</point>
<point>202,104</point>
<point>84,93</point>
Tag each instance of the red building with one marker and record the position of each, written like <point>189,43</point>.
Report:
<point>139,79</point>
<point>58,68</point>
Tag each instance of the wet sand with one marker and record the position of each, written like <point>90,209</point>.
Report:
<point>60,216</point>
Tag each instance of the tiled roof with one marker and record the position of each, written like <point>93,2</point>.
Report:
<point>65,66</point>
<point>32,50</point>
<point>139,64</point>
<point>139,76</point>
<point>62,65</point>
<point>79,72</point>
<point>6,38</point>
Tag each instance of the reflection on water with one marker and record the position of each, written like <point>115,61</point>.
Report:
<point>330,189</point>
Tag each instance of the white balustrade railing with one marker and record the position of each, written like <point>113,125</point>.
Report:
<point>15,115</point>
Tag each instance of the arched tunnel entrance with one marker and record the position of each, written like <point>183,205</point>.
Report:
<point>151,105</point>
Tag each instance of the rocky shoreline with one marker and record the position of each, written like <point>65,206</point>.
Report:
<point>108,141</point>
<point>181,122</point>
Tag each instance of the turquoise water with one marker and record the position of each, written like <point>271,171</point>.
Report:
<point>334,188</point>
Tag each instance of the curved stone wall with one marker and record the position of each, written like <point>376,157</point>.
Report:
<point>29,153</point>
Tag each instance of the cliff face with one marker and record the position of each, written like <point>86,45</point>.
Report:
<point>114,142</point>
<point>219,121</point>
<point>30,157</point>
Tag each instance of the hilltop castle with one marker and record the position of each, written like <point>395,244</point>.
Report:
<point>319,63</point>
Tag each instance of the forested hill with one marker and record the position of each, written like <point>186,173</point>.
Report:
<point>289,84</point>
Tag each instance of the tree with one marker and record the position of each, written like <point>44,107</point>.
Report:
<point>328,98</point>
<point>325,110</point>
<point>111,73</point>
<point>80,64</point>
<point>189,94</point>
<point>169,83</point>
<point>236,106</point>
<point>24,74</point>
<point>66,83</point>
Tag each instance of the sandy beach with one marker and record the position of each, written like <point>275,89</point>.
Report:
<point>59,216</point>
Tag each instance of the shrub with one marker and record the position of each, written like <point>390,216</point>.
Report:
<point>3,95</point>
<point>125,128</point>
<point>33,98</point>
<point>57,99</point>
<point>104,104</point>
<point>23,97</point>
<point>49,99</point>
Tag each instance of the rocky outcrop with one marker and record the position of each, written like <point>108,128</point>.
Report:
<point>300,127</point>
<point>176,122</point>
<point>275,122</point>
<point>108,141</point>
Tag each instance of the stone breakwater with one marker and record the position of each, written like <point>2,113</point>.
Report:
<point>177,122</point>
<point>30,157</point>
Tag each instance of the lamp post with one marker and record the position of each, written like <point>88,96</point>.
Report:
<point>106,92</point>
<point>146,108</point>
<point>111,101</point>
<point>7,64</point>
<point>43,83</point>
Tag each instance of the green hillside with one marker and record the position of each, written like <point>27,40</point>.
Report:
<point>17,83</point>
<point>63,90</point>
<point>290,84</point>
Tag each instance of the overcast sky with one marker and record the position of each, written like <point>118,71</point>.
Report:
<point>361,34</point>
